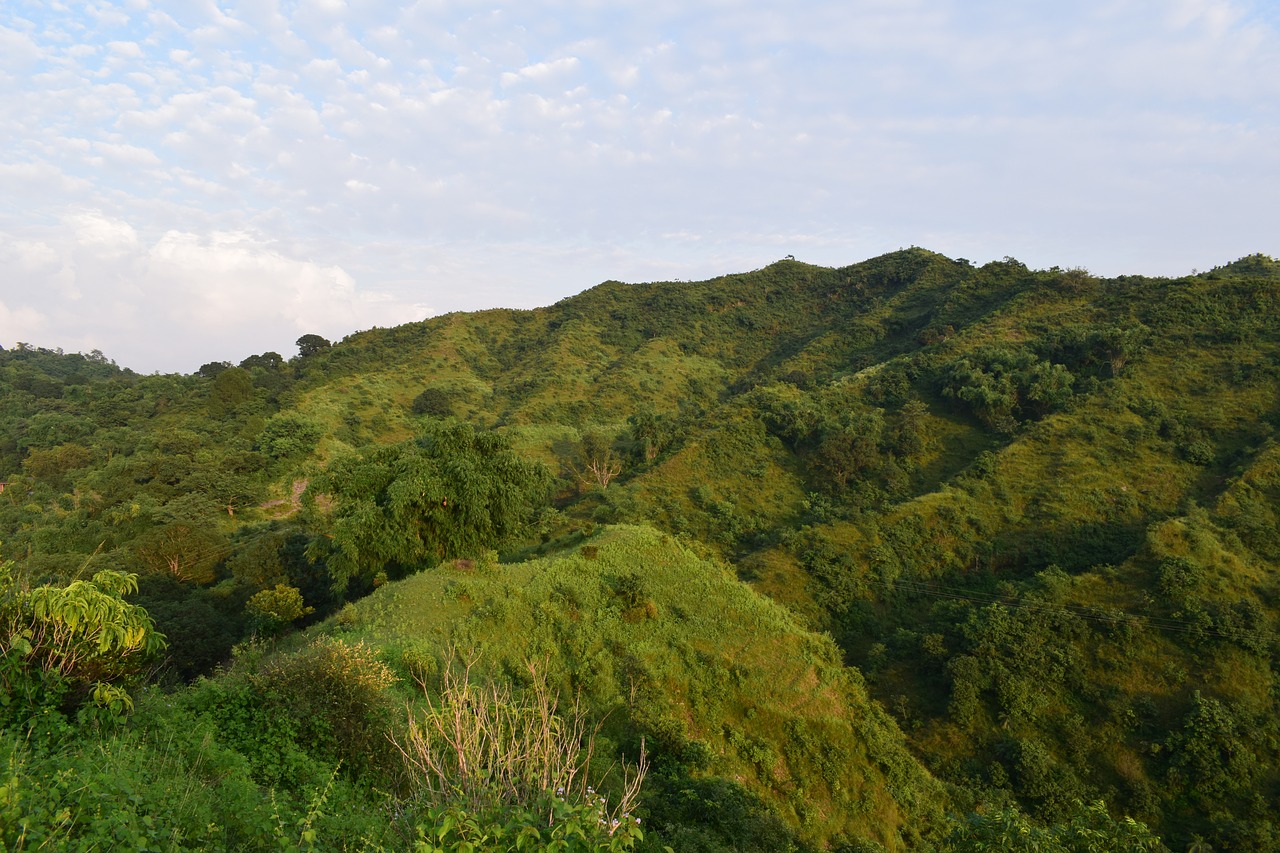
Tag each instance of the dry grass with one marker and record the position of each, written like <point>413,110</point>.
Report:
<point>485,746</point>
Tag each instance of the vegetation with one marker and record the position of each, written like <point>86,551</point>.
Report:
<point>910,554</point>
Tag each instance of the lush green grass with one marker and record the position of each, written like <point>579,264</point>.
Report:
<point>666,645</point>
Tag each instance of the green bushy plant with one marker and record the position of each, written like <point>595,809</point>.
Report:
<point>63,646</point>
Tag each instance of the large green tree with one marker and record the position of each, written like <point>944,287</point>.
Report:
<point>453,492</point>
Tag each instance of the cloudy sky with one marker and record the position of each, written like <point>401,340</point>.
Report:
<point>200,180</point>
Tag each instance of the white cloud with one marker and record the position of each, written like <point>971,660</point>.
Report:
<point>181,300</point>
<point>541,71</point>
<point>99,234</point>
<point>21,323</point>
<point>133,156</point>
<point>17,49</point>
<point>33,179</point>
<point>126,49</point>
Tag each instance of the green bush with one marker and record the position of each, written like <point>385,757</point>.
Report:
<point>1091,829</point>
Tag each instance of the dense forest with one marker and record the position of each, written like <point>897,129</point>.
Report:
<point>907,555</point>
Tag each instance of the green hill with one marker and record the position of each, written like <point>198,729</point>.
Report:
<point>736,690</point>
<point>1035,510</point>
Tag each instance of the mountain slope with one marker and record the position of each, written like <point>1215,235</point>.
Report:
<point>670,647</point>
<point>1035,509</point>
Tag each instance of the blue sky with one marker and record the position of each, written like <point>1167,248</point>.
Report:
<point>183,182</point>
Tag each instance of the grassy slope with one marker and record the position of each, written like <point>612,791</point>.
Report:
<point>693,659</point>
<point>1107,481</point>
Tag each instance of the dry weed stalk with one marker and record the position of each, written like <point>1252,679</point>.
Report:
<point>482,747</point>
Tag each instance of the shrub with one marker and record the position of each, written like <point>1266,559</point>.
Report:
<point>68,644</point>
<point>271,610</point>
<point>337,694</point>
<point>288,434</point>
<point>1091,828</point>
<point>293,716</point>
<point>434,402</point>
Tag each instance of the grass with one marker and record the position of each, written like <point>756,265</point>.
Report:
<point>662,642</point>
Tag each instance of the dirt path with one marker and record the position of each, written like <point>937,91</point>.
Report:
<point>294,501</point>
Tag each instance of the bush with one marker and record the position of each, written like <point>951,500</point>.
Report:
<point>434,402</point>
<point>65,645</point>
<point>295,715</point>
<point>288,434</point>
<point>272,610</point>
<point>338,694</point>
<point>1091,828</point>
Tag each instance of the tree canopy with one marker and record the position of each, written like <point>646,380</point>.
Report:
<point>454,492</point>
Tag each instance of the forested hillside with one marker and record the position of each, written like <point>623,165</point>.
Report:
<point>910,554</point>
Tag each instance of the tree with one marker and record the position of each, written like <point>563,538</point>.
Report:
<point>210,370</point>
<point>288,434</point>
<point>597,464</point>
<point>231,387</point>
<point>187,550</point>
<point>269,360</point>
<point>435,402</point>
<point>1048,387</point>
<point>229,481</point>
<point>850,449</point>
<point>312,344</point>
<point>54,463</point>
<point>1002,385</point>
<point>1117,344</point>
<point>257,565</point>
<point>454,492</point>
<point>911,436</point>
<point>650,432</point>
<point>270,610</point>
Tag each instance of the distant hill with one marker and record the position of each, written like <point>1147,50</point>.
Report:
<point>1036,511</point>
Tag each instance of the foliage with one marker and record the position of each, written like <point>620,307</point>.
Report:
<point>1036,509</point>
<point>165,781</point>
<point>288,434</point>
<point>273,609</point>
<point>480,750</point>
<point>291,716</point>
<point>553,825</point>
<point>598,464</point>
<point>185,550</point>
<point>309,345</point>
<point>1003,386</point>
<point>1093,829</point>
<point>70,644</point>
<point>436,402</point>
<point>620,623</point>
<point>453,492</point>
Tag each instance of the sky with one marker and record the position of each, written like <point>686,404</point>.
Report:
<point>203,180</point>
